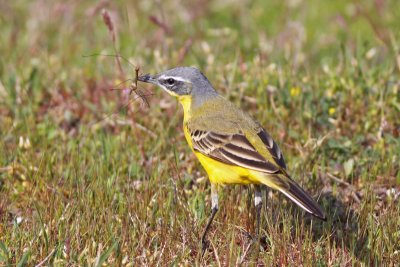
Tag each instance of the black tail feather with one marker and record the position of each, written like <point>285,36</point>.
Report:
<point>303,200</point>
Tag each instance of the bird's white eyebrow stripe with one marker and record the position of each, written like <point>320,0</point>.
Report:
<point>164,77</point>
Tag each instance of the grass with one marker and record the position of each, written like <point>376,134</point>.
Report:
<point>90,176</point>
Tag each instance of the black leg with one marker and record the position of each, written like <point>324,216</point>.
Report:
<point>214,209</point>
<point>258,204</point>
<point>204,242</point>
<point>255,240</point>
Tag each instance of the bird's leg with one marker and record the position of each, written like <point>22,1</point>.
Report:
<point>258,205</point>
<point>214,209</point>
<point>255,240</point>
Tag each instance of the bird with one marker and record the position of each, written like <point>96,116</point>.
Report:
<point>232,147</point>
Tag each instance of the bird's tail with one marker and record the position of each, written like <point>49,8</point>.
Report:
<point>295,193</point>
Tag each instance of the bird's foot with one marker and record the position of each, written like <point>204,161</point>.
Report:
<point>247,234</point>
<point>263,241</point>
<point>204,246</point>
<point>254,246</point>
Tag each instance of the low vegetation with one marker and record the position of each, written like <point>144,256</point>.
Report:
<point>94,173</point>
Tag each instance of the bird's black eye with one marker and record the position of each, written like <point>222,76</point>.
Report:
<point>170,81</point>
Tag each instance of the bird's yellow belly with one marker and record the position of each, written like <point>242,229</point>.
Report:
<point>221,173</point>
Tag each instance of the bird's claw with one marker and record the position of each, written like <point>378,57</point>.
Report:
<point>247,235</point>
<point>253,239</point>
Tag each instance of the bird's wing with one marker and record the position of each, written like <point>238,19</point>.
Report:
<point>272,148</point>
<point>236,149</point>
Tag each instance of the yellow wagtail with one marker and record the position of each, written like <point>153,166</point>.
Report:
<point>230,145</point>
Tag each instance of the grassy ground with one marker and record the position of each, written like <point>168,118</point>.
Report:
<point>93,176</point>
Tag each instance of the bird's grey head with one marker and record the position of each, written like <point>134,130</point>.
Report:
<point>182,81</point>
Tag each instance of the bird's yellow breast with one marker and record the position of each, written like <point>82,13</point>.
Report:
<point>218,172</point>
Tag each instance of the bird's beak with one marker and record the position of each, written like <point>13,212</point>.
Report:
<point>147,78</point>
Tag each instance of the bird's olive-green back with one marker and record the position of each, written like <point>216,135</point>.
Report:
<point>221,116</point>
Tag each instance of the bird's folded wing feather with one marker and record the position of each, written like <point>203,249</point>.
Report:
<point>236,149</point>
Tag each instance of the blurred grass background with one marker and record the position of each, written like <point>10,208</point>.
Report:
<point>93,176</point>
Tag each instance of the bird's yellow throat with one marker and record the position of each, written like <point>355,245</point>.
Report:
<point>186,102</point>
